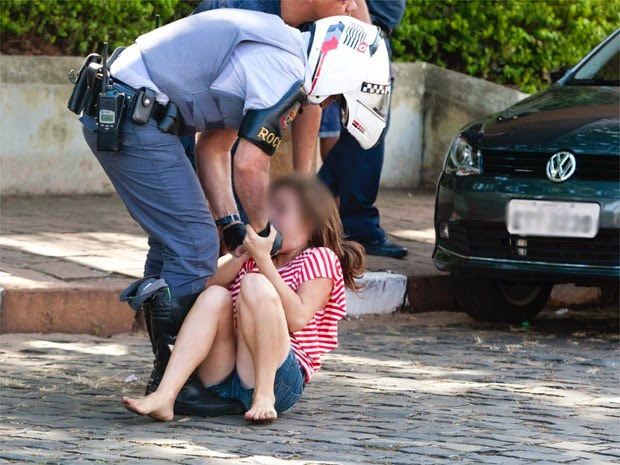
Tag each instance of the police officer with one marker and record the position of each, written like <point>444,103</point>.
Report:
<point>295,13</point>
<point>298,14</point>
<point>230,73</point>
<point>353,173</point>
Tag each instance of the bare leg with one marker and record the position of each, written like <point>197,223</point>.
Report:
<point>208,326</point>
<point>263,343</point>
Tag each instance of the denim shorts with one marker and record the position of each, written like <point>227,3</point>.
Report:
<point>289,385</point>
<point>330,121</point>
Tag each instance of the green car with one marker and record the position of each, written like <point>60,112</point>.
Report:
<point>530,197</point>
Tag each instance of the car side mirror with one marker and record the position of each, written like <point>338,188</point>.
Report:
<point>557,74</point>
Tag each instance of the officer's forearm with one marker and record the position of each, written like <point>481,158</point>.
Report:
<point>305,131</point>
<point>251,176</point>
<point>213,163</point>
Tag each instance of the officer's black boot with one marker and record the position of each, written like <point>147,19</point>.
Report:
<point>166,317</point>
<point>155,375</point>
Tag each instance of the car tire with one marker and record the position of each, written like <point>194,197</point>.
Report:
<point>487,299</point>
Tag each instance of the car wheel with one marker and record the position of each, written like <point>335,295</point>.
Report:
<point>487,299</point>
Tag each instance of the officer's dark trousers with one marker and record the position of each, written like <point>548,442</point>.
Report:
<point>353,174</point>
<point>160,189</point>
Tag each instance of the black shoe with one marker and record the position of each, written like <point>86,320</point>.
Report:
<point>195,400</point>
<point>385,248</point>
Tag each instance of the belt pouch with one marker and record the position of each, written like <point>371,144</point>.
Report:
<point>79,95</point>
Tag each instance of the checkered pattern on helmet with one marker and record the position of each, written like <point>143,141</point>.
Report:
<point>371,88</point>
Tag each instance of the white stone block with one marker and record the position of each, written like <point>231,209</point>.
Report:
<point>382,293</point>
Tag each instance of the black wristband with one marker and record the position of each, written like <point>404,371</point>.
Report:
<point>233,236</point>
<point>226,220</point>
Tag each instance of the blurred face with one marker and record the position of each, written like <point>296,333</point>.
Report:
<point>325,8</point>
<point>286,215</point>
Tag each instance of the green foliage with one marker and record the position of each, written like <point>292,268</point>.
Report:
<point>514,42</point>
<point>80,26</point>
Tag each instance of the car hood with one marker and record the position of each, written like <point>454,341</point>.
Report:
<point>576,118</point>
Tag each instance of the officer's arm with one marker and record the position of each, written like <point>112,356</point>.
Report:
<point>251,177</point>
<point>305,130</point>
<point>260,135</point>
<point>213,165</point>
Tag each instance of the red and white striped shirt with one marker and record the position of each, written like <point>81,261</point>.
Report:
<point>321,333</point>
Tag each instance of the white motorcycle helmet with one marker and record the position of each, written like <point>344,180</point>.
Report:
<point>349,57</point>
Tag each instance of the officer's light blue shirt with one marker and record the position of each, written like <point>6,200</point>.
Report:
<point>266,6</point>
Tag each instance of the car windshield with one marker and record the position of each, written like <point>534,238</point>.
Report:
<point>603,68</point>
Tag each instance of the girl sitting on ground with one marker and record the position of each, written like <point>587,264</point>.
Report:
<point>259,329</point>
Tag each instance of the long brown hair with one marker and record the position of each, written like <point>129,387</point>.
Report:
<point>319,207</point>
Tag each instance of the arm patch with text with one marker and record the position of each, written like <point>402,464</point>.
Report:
<point>265,128</point>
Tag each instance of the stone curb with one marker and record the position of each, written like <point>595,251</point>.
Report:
<point>82,310</point>
<point>386,293</point>
<point>380,293</point>
<point>96,310</point>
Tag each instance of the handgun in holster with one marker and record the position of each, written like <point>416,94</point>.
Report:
<point>85,85</point>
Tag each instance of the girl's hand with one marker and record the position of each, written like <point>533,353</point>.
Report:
<point>258,247</point>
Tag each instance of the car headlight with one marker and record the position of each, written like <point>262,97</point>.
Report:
<point>463,159</point>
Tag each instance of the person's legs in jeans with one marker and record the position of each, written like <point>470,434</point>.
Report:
<point>352,174</point>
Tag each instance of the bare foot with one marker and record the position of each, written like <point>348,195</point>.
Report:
<point>262,410</point>
<point>156,407</point>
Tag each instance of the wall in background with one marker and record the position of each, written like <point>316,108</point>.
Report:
<point>42,150</point>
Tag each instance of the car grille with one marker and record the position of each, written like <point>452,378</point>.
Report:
<point>534,165</point>
<point>492,240</point>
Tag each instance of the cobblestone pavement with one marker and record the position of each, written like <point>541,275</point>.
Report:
<point>404,389</point>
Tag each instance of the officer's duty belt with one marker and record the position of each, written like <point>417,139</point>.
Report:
<point>167,116</point>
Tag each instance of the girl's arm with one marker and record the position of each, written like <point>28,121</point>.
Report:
<point>228,267</point>
<point>299,307</point>
<point>311,296</point>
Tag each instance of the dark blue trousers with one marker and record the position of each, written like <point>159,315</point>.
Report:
<point>160,189</point>
<point>353,174</point>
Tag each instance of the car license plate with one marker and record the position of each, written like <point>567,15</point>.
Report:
<point>558,219</point>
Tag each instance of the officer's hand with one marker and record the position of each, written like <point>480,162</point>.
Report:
<point>259,247</point>
<point>233,236</point>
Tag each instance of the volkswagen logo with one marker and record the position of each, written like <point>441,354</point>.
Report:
<point>561,166</point>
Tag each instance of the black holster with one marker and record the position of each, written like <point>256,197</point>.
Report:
<point>85,83</point>
<point>88,83</point>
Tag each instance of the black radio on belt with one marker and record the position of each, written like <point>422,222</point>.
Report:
<point>110,112</point>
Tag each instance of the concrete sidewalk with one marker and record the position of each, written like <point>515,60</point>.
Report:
<point>64,260</point>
